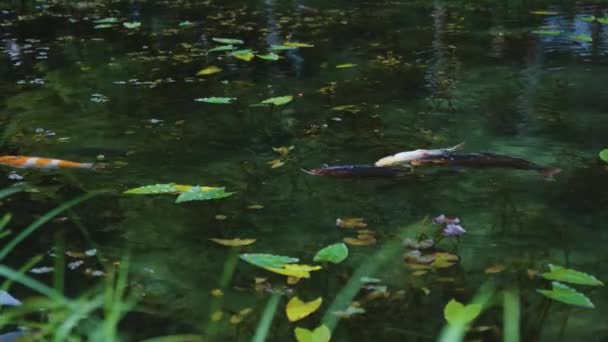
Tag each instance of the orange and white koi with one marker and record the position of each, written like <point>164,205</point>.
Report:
<point>406,157</point>
<point>23,162</point>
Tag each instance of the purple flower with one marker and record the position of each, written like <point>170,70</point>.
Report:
<point>439,219</point>
<point>453,229</point>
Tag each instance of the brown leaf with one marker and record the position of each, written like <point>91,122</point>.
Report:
<point>496,268</point>
<point>351,222</point>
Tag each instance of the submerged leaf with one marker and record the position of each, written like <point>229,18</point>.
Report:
<point>222,48</point>
<point>227,41</point>
<point>335,253</point>
<point>278,101</point>
<point>567,275</point>
<point>297,309</point>
<point>457,313</point>
<point>233,242</point>
<point>216,100</point>
<point>581,38</point>
<point>244,55</point>
<point>568,295</point>
<point>200,194</point>
<point>210,70</point>
<point>320,334</point>
<point>269,56</point>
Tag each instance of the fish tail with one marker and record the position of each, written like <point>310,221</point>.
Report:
<point>548,173</point>
<point>455,148</point>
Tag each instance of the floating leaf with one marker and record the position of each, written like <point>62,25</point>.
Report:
<point>222,48</point>
<point>244,55</point>
<point>294,270</point>
<point>217,293</point>
<point>457,313</point>
<point>349,312</point>
<point>278,101</point>
<point>547,32</point>
<point>568,295</point>
<point>210,70</point>
<point>255,206</point>
<point>282,47</point>
<point>603,20</point>
<point>268,260</point>
<point>545,12</point>
<point>185,23</point>
<point>283,150</point>
<point>497,268</point>
<point>297,309</point>
<point>153,189</point>
<point>276,163</point>
<point>132,25</point>
<point>216,100</point>
<point>346,65</point>
<point>567,275</point>
<point>351,222</point>
<point>320,334</point>
<point>298,45</point>
<point>234,242</point>
<point>587,18</point>
<point>227,41</point>
<point>199,194</point>
<point>361,240</point>
<point>581,38</point>
<point>335,253</point>
<point>108,20</point>
<point>103,26</point>
<point>444,260</point>
<point>269,56</point>
<point>348,108</point>
<point>604,155</point>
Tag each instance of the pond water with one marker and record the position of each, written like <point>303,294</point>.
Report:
<point>426,74</point>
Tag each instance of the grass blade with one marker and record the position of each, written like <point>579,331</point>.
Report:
<point>271,308</point>
<point>33,284</point>
<point>511,315</point>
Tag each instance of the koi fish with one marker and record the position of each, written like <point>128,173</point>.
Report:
<point>486,160</point>
<point>406,157</point>
<point>358,171</point>
<point>23,162</point>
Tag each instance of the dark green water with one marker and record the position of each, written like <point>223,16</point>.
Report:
<point>429,74</point>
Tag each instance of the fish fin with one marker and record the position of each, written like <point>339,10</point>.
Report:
<point>548,173</point>
<point>455,148</point>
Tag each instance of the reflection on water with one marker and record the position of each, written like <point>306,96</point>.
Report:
<point>427,74</point>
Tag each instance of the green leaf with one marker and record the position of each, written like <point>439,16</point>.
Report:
<point>587,18</point>
<point>132,25</point>
<point>581,38</point>
<point>298,45</point>
<point>603,20</point>
<point>269,56</point>
<point>604,155</point>
<point>346,65</point>
<point>245,55</point>
<point>547,32</point>
<point>568,275</point>
<point>222,48</point>
<point>568,295</point>
<point>457,313</point>
<point>199,194</point>
<point>185,23</point>
<point>216,100</point>
<point>268,260</point>
<point>335,253</point>
<point>153,189</point>
<point>282,47</point>
<point>320,334</point>
<point>227,41</point>
<point>278,101</point>
<point>545,12</point>
<point>102,26</point>
<point>108,20</point>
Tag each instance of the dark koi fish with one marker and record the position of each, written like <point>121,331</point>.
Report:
<point>486,160</point>
<point>358,171</point>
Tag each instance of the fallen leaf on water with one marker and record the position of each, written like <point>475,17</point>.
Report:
<point>320,334</point>
<point>296,309</point>
<point>77,255</point>
<point>234,242</point>
<point>351,222</point>
<point>496,268</point>
<point>298,45</point>
<point>444,260</point>
<point>210,70</point>
<point>217,292</point>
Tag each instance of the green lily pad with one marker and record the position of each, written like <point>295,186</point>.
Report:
<point>548,32</point>
<point>581,38</point>
<point>567,295</point>
<point>567,275</point>
<point>199,194</point>
<point>346,65</point>
<point>227,41</point>
<point>320,334</point>
<point>268,260</point>
<point>244,55</point>
<point>604,155</point>
<point>102,26</point>
<point>335,253</point>
<point>545,12</point>
<point>587,18</point>
<point>457,313</point>
<point>269,56</point>
<point>109,20</point>
<point>278,101</point>
<point>216,100</point>
<point>185,23</point>
<point>298,45</point>
<point>153,189</point>
<point>603,20</point>
<point>132,25</point>
<point>282,47</point>
<point>222,48</point>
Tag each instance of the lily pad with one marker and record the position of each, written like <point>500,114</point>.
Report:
<point>132,25</point>
<point>108,20</point>
<point>199,194</point>
<point>269,56</point>
<point>603,20</point>
<point>545,12</point>
<point>227,40</point>
<point>320,334</point>
<point>222,48</point>
<point>296,309</point>
<point>458,313</point>
<point>268,260</point>
<point>153,189</point>
<point>282,47</point>
<point>233,242</point>
<point>278,101</point>
<point>216,100</point>
<point>547,32</point>
<point>567,295</point>
<point>102,26</point>
<point>346,65</point>
<point>571,276</point>
<point>335,253</point>
<point>298,45</point>
<point>186,23</point>
<point>244,55</point>
<point>604,155</point>
<point>587,18</point>
<point>581,38</point>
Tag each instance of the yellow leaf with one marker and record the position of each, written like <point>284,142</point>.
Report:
<point>236,319</point>
<point>290,273</point>
<point>216,316</point>
<point>320,334</point>
<point>255,206</point>
<point>233,242</point>
<point>426,291</point>
<point>351,222</point>
<point>298,45</point>
<point>220,217</point>
<point>283,151</point>
<point>210,70</point>
<point>420,273</point>
<point>217,292</point>
<point>297,309</point>
<point>497,268</point>
<point>368,241</point>
<point>276,163</point>
<point>347,65</point>
<point>302,267</point>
